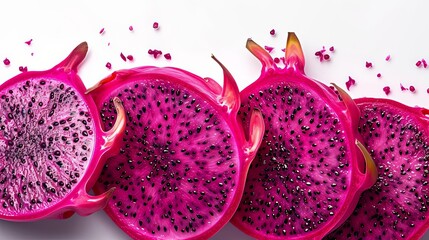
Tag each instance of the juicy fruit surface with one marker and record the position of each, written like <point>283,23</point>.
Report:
<point>178,165</point>
<point>46,139</point>
<point>300,174</point>
<point>398,202</point>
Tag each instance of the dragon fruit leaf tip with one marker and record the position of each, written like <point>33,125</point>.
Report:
<point>57,142</point>
<point>351,106</point>
<point>266,198</point>
<point>74,59</point>
<point>230,97</point>
<point>113,136</point>
<point>293,53</point>
<point>230,94</point>
<point>262,55</point>
<point>368,168</point>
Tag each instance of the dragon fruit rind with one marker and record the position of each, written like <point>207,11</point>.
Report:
<point>311,167</point>
<point>52,147</point>
<point>184,156</point>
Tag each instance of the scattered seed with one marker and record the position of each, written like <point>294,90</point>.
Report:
<point>272,32</point>
<point>332,49</point>
<point>379,75</point>
<point>130,57</point>
<point>109,65</point>
<point>131,28</point>
<point>412,89</point>
<point>6,62</point>
<point>101,31</point>
<point>155,25</point>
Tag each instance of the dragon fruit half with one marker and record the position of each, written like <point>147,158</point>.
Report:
<point>184,156</point>
<point>311,167</point>
<point>396,207</point>
<point>52,147</point>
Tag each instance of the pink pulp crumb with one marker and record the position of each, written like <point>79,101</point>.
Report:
<point>332,49</point>
<point>131,28</point>
<point>108,65</point>
<point>418,63</point>
<point>350,83</point>
<point>123,57</point>
<point>321,54</point>
<point>403,88</point>
<point>379,75</point>
<point>22,69</point>
<point>155,53</point>
<point>167,56</point>
<point>412,89</point>
<point>269,49</point>
<point>386,90</point>
<point>388,58</point>
<point>368,64</point>
<point>101,31</point>
<point>155,25</point>
<point>130,57</point>
<point>6,62</point>
<point>273,32</point>
<point>29,42</point>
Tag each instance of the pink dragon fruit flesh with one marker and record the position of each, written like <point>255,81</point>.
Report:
<point>311,168</point>
<point>184,156</point>
<point>396,207</point>
<point>52,147</point>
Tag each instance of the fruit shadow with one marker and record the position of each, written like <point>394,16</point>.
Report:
<point>45,229</point>
<point>72,228</point>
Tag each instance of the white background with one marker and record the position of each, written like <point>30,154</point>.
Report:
<point>192,30</point>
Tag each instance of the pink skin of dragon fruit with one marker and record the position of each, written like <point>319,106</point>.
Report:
<point>311,167</point>
<point>51,143</point>
<point>184,157</point>
<point>396,206</point>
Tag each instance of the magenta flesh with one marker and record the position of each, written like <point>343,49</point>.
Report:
<point>396,207</point>
<point>184,157</point>
<point>51,144</point>
<point>311,168</point>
